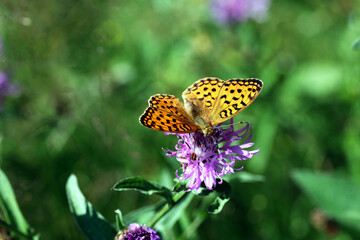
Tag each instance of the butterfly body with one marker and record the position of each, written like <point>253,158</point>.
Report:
<point>207,102</point>
<point>198,115</point>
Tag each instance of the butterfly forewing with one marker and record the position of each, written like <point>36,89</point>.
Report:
<point>201,97</point>
<point>167,114</point>
<point>235,95</point>
<point>208,101</point>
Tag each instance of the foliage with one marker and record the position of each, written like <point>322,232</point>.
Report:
<point>87,68</point>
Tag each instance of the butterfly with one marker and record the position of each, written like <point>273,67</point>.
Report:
<point>209,101</point>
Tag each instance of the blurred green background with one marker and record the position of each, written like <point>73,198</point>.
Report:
<point>85,70</point>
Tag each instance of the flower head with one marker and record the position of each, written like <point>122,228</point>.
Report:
<point>204,159</point>
<point>6,88</point>
<point>137,232</point>
<point>232,11</point>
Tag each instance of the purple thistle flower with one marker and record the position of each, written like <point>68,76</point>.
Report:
<point>137,232</point>
<point>204,159</point>
<point>232,11</point>
<point>6,88</point>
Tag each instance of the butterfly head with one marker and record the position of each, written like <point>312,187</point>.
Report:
<point>208,131</point>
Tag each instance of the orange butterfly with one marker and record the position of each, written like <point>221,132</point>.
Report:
<point>209,101</point>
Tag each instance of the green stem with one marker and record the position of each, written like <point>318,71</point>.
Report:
<point>177,198</point>
<point>13,229</point>
<point>191,229</point>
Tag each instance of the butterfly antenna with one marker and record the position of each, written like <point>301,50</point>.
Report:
<point>214,139</point>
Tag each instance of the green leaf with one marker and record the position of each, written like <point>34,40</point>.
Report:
<point>11,210</point>
<point>120,224</point>
<point>337,196</point>
<point>356,45</point>
<point>92,223</point>
<point>224,193</point>
<point>143,186</point>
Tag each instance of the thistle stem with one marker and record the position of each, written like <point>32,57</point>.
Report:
<point>15,230</point>
<point>177,198</point>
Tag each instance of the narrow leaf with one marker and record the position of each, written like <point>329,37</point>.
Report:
<point>143,186</point>
<point>337,196</point>
<point>224,192</point>
<point>91,222</point>
<point>11,210</point>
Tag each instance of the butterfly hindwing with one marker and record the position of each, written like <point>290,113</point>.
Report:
<point>235,95</point>
<point>209,101</point>
<point>167,114</point>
